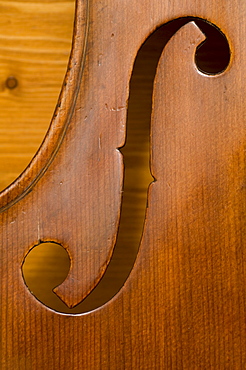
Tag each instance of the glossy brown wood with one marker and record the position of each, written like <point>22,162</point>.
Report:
<point>183,305</point>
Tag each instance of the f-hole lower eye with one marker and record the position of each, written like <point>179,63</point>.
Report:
<point>212,57</point>
<point>45,266</point>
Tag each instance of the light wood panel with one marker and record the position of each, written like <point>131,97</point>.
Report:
<point>35,43</point>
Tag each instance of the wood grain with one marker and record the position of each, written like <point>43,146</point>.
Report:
<point>183,304</point>
<point>35,43</point>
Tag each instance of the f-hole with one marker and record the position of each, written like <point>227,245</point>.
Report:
<point>212,57</point>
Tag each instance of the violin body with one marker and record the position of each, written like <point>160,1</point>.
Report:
<point>182,306</point>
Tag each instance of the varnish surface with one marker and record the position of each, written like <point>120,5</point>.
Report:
<point>183,304</point>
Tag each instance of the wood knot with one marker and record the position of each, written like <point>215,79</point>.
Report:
<point>11,82</point>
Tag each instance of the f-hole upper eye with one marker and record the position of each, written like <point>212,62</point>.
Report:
<point>213,55</point>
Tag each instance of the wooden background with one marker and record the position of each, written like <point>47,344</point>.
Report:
<point>35,43</point>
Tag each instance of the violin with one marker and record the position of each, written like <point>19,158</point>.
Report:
<point>140,180</point>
